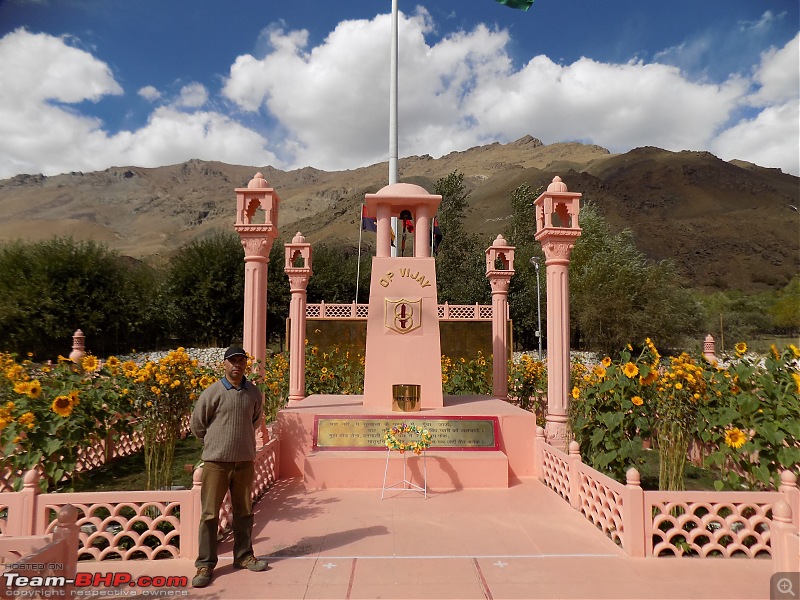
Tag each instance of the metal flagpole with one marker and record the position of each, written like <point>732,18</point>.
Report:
<point>360,233</point>
<point>393,117</point>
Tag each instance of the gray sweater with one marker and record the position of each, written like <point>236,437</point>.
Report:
<point>225,419</point>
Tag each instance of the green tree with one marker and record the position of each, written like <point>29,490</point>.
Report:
<point>732,316</point>
<point>49,289</point>
<point>522,295</point>
<point>205,287</point>
<point>460,263</point>
<point>618,295</point>
<point>785,309</point>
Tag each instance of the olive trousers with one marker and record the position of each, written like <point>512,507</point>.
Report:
<point>218,478</point>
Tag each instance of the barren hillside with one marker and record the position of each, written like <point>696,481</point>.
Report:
<point>725,225</point>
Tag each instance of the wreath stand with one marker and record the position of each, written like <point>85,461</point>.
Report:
<point>407,485</point>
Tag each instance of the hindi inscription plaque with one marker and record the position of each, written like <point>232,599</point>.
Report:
<point>345,432</point>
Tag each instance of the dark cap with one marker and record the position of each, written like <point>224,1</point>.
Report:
<point>234,351</point>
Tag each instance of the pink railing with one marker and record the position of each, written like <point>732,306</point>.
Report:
<point>446,312</point>
<point>671,523</point>
<point>125,525</point>
<point>50,556</point>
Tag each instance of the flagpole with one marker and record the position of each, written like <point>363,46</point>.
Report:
<point>360,233</point>
<point>393,114</point>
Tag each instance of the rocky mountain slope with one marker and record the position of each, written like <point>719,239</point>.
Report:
<point>725,224</point>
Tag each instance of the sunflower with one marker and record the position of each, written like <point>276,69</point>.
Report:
<point>650,379</point>
<point>606,362</point>
<point>740,348</point>
<point>735,437</point>
<point>34,389</point>
<point>630,370</point>
<point>62,406</point>
<point>576,393</point>
<point>90,363</point>
<point>637,400</point>
<point>795,350</point>
<point>28,420</point>
<point>796,377</point>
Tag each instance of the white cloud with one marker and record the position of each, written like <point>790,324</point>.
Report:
<point>779,74</point>
<point>150,93</point>
<point>193,95</point>
<point>329,103</point>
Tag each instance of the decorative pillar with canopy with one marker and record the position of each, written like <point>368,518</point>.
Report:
<point>499,270</point>
<point>257,241</point>
<point>298,268</point>
<point>557,229</point>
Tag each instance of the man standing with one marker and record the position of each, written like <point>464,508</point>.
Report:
<point>225,418</point>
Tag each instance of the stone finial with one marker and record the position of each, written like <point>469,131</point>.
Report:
<point>781,511</point>
<point>78,346</point>
<point>632,477</point>
<point>710,349</point>
<point>299,238</point>
<point>557,185</point>
<point>257,182</point>
<point>500,240</point>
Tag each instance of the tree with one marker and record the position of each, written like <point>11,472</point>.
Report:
<point>522,295</point>
<point>460,265</point>
<point>618,296</point>
<point>205,287</point>
<point>786,308</point>
<point>49,289</point>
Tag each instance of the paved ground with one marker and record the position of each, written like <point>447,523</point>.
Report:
<point>523,542</point>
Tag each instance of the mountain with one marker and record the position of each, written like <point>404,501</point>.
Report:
<point>726,225</point>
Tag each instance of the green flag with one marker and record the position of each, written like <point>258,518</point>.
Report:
<point>521,4</point>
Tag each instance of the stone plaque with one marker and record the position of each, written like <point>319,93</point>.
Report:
<point>345,432</point>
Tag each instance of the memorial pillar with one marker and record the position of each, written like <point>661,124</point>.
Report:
<point>499,270</point>
<point>257,241</point>
<point>298,269</point>
<point>557,229</point>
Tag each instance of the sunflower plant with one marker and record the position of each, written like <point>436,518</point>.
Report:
<point>162,396</point>
<point>611,409</point>
<point>752,418</point>
<point>527,385</point>
<point>47,412</point>
<point>466,377</point>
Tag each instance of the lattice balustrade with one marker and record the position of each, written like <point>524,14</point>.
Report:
<point>339,311</point>
<point>448,312</point>
<point>710,528</point>
<point>128,443</point>
<point>555,472</point>
<point>125,530</point>
<point>91,456</point>
<point>601,505</point>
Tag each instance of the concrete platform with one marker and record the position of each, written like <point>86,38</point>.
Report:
<point>443,470</point>
<point>519,542</point>
<point>448,469</point>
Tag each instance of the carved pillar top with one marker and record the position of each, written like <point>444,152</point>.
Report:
<point>297,264</point>
<point>500,259</point>
<point>557,224</point>
<point>257,196</point>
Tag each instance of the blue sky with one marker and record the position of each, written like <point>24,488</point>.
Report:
<point>89,84</point>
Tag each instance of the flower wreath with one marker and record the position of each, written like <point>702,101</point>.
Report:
<point>416,446</point>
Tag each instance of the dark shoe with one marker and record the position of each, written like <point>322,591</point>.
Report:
<point>251,563</point>
<point>203,577</point>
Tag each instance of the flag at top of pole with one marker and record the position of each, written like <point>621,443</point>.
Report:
<point>521,4</point>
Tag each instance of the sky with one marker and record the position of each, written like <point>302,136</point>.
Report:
<point>90,84</point>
